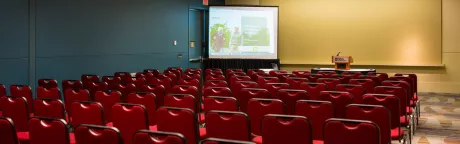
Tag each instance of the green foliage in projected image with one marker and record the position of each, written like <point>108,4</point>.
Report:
<point>227,34</point>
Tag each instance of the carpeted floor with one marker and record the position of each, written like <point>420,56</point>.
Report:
<point>440,119</point>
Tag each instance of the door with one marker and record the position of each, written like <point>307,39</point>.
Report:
<point>197,39</point>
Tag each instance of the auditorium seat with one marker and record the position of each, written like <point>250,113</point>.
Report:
<point>398,92</point>
<point>295,82</point>
<point>290,98</point>
<point>258,108</point>
<point>367,84</point>
<point>181,101</point>
<point>8,131</point>
<point>239,85</point>
<point>184,89</point>
<point>375,79</point>
<point>301,73</point>
<point>71,95</point>
<point>313,77</point>
<point>330,82</point>
<point>150,75</point>
<point>345,131</point>
<point>217,91</point>
<point>274,73</point>
<point>228,125</point>
<point>138,82</point>
<point>250,72</point>
<point>48,83</point>
<point>176,70</point>
<point>416,102</point>
<point>382,76</point>
<point>215,73</point>
<point>16,109</point>
<point>317,112</point>
<point>86,112</point>
<point>261,81</point>
<point>92,87</point>
<point>344,79</point>
<point>339,99</point>
<point>326,74</point>
<point>248,93</point>
<point>191,76</point>
<point>72,84</point>
<point>223,141</point>
<point>193,70</point>
<point>215,77</point>
<point>107,100</point>
<point>174,78</point>
<point>357,91</point>
<point>256,76</point>
<point>125,76</point>
<point>129,118</point>
<point>313,89</point>
<point>94,134</point>
<point>354,75</point>
<point>404,85</point>
<point>286,129</point>
<point>215,83</point>
<point>233,74</point>
<point>189,82</point>
<point>233,70</point>
<point>2,94</point>
<point>49,131</point>
<point>233,79</point>
<point>52,93</point>
<point>139,75</point>
<point>284,76</point>
<point>158,137</point>
<point>52,108</point>
<point>375,113</point>
<point>148,100</point>
<point>180,120</point>
<point>85,78</point>
<point>158,90</point>
<point>166,82</point>
<point>155,72</point>
<point>126,89</point>
<point>274,87</point>
<point>23,91</point>
<point>218,103</point>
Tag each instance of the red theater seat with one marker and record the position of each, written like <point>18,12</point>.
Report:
<point>158,137</point>
<point>234,74</point>
<point>92,87</point>
<point>250,72</point>
<point>339,99</point>
<point>313,89</point>
<point>180,120</point>
<point>49,131</point>
<point>290,98</point>
<point>126,89</point>
<point>326,74</point>
<point>343,131</point>
<point>215,73</point>
<point>317,112</point>
<point>218,103</point>
<point>8,131</point>
<point>140,75</point>
<point>71,95</point>
<point>374,113</point>
<point>184,89</point>
<point>48,83</point>
<point>405,86</point>
<point>256,76</point>
<point>166,82</point>
<point>191,76</point>
<point>261,81</point>
<point>367,84</point>
<point>16,109</point>
<point>331,83</point>
<point>175,70</point>
<point>85,78</point>
<point>158,90</point>
<point>155,72</point>
<point>217,91</point>
<point>94,134</point>
<point>357,91</point>
<point>284,76</point>
<point>344,79</point>
<point>274,87</point>
<point>228,125</point>
<point>52,93</point>
<point>85,112</point>
<point>301,73</point>
<point>149,76</point>
<point>193,70</point>
<point>382,76</point>
<point>215,77</point>
<point>313,77</point>
<point>23,91</point>
<point>295,82</point>
<point>148,100</point>
<point>354,75</point>
<point>239,85</point>
<point>181,101</point>
<point>107,100</point>
<point>275,73</point>
<point>129,118</point>
<point>52,108</point>
<point>170,75</point>
<point>189,82</point>
<point>248,93</point>
<point>398,92</point>
<point>223,141</point>
<point>258,108</point>
<point>288,129</point>
<point>125,76</point>
<point>239,78</point>
<point>215,83</point>
<point>138,82</point>
<point>375,79</point>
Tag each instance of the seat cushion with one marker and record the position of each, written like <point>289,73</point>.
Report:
<point>23,137</point>
<point>318,142</point>
<point>72,138</point>
<point>110,124</point>
<point>202,133</point>
<point>404,121</point>
<point>257,139</point>
<point>409,110</point>
<point>415,97</point>
<point>412,103</point>
<point>153,128</point>
<point>202,118</point>
<point>395,135</point>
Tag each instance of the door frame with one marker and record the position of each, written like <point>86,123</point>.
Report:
<point>204,49</point>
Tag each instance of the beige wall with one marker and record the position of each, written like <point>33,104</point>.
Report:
<point>431,79</point>
<point>242,2</point>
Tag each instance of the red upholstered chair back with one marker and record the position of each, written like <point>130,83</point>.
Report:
<point>150,75</point>
<point>382,76</point>
<point>284,76</point>
<point>92,87</point>
<point>339,99</point>
<point>233,79</point>
<point>52,93</point>
<point>52,108</point>
<point>129,118</point>
<point>278,129</point>
<point>8,131</point>
<point>406,79</point>
<point>344,79</point>
<point>258,108</point>
<point>396,91</point>
<point>313,77</point>
<point>107,100</point>
<point>16,109</point>
<point>330,82</point>
<point>71,95</point>
<point>313,89</point>
<point>376,80</point>
<point>194,70</point>
<point>239,85</point>
<point>170,75</point>
<point>23,91</point>
<point>166,82</point>
<point>326,74</point>
<point>138,82</point>
<point>367,84</point>
<point>148,100</point>
<point>228,125</point>
<point>250,72</point>
<point>2,90</point>
<point>215,83</point>
<point>295,82</point>
<point>256,76</point>
<point>158,137</point>
<point>317,112</point>
<point>217,91</point>
<point>48,83</point>
<point>125,76</point>
<point>229,72</point>
<point>184,89</point>
<point>153,71</point>
<point>248,93</point>
<point>389,101</point>
<point>140,75</point>
<point>402,84</point>
<point>48,131</point>
<point>189,82</point>
<point>94,134</point>
<point>214,77</point>
<point>181,101</point>
<point>354,75</point>
<point>356,90</point>
<point>72,84</point>
<point>274,87</point>
<point>263,80</point>
<point>414,80</point>
<point>191,76</point>
<point>89,78</point>
<point>234,74</point>
<point>126,89</point>
<point>214,72</point>
<point>301,73</point>
<point>343,131</point>
<point>180,120</point>
<point>276,72</point>
<point>374,113</point>
<point>290,98</point>
<point>85,112</point>
<point>223,141</point>
<point>158,90</point>
<point>176,70</point>
<point>220,103</point>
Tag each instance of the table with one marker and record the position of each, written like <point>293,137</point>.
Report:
<point>363,71</point>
